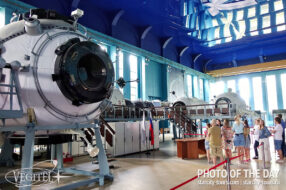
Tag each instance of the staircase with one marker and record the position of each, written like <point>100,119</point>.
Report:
<point>178,116</point>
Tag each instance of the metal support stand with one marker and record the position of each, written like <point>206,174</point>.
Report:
<point>102,159</point>
<point>53,152</point>
<point>201,126</point>
<point>59,151</point>
<point>228,173</point>
<point>28,157</point>
<point>6,156</point>
<point>96,177</point>
<point>163,134</point>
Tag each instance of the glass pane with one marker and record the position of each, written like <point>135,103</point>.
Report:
<point>267,31</point>
<point>226,31</point>
<point>219,88</point>
<point>241,29</point>
<point>283,81</point>
<point>278,5</point>
<point>229,16</point>
<point>228,39</point>
<point>231,85</point>
<point>195,81</point>
<point>255,33</point>
<point>185,8</point>
<point>251,12</point>
<point>244,89</point>
<point>257,93</point>
<point>133,63</point>
<point>120,67</point>
<point>264,9</point>
<point>189,86</point>
<point>201,89</point>
<point>212,93</point>
<point>253,24</point>
<point>271,92</point>
<point>281,28</point>
<point>280,19</point>
<point>2,16</point>
<point>239,15</point>
<point>266,21</point>
<point>218,41</point>
<point>214,22</point>
<point>217,34</point>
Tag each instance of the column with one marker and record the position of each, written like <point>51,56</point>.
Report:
<point>126,74</point>
<point>280,102</point>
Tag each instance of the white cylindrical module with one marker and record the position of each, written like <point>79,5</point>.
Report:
<point>224,99</point>
<point>64,76</point>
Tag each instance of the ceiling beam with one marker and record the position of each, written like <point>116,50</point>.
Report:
<point>117,16</point>
<point>145,32</point>
<point>184,50</point>
<point>166,43</point>
<point>260,67</point>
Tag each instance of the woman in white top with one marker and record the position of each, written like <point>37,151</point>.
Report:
<point>264,135</point>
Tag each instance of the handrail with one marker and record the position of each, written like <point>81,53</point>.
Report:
<point>171,107</point>
<point>106,124</point>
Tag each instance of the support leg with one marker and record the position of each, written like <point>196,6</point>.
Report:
<point>102,159</point>
<point>59,150</point>
<point>70,148</point>
<point>6,156</point>
<point>53,152</point>
<point>27,159</point>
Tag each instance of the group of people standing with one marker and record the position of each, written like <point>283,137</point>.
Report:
<point>219,137</point>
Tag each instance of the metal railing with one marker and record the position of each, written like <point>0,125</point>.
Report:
<point>13,90</point>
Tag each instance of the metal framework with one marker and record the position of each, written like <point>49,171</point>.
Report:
<point>28,154</point>
<point>13,87</point>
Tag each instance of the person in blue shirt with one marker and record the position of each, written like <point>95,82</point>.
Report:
<point>239,141</point>
<point>283,147</point>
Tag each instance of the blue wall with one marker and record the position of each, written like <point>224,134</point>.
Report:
<point>156,83</point>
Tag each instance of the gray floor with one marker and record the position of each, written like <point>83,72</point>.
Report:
<point>163,170</point>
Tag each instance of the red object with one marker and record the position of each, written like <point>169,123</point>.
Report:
<point>214,167</point>
<point>151,132</point>
<point>69,159</point>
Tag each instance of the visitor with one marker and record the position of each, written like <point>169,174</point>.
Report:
<point>207,143</point>
<point>283,135</point>
<point>246,132</point>
<point>239,141</point>
<point>264,135</point>
<point>277,131</point>
<point>214,134</point>
<point>227,138</point>
<point>256,137</point>
<point>218,123</point>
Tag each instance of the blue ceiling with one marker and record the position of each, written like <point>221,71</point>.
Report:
<point>133,17</point>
